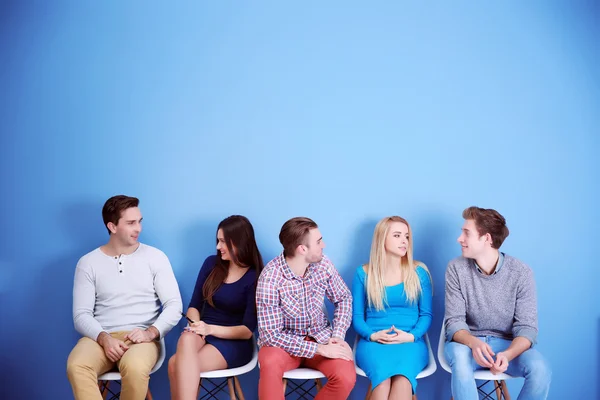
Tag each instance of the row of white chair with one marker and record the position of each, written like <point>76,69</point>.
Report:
<point>307,375</point>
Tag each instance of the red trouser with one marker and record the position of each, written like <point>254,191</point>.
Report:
<point>274,361</point>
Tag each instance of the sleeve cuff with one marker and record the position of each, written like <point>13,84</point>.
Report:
<point>93,334</point>
<point>340,333</point>
<point>416,334</point>
<point>160,328</point>
<point>528,333</point>
<point>89,331</point>
<point>369,335</point>
<point>308,349</point>
<point>455,327</point>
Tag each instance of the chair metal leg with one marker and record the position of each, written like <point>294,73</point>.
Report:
<point>238,388</point>
<point>504,390</point>
<point>498,390</point>
<point>303,389</point>
<point>213,390</point>
<point>231,389</point>
<point>105,391</point>
<point>318,384</point>
<point>488,394</point>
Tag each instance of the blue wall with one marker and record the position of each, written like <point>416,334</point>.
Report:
<point>343,112</point>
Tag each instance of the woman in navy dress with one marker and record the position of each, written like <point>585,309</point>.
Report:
<point>392,312</point>
<point>223,310</point>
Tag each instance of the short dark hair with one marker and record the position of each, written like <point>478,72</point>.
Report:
<point>489,221</point>
<point>293,233</point>
<point>114,207</point>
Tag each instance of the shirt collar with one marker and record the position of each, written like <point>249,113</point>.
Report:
<point>498,265</point>
<point>287,271</point>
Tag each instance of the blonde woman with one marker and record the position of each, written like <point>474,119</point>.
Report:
<point>392,312</point>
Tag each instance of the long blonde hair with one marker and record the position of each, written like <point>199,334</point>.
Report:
<point>375,269</point>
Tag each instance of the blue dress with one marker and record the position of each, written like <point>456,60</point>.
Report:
<point>382,361</point>
<point>234,305</point>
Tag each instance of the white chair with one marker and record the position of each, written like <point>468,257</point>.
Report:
<point>429,369</point>
<point>483,375</point>
<point>105,379</point>
<point>231,378</point>
<point>306,375</point>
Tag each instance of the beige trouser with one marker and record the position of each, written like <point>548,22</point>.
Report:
<point>87,360</point>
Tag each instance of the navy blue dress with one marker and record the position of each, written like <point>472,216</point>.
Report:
<point>235,304</point>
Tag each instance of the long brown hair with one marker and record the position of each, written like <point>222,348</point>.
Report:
<point>241,244</point>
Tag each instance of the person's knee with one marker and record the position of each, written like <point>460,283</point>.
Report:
<point>186,341</point>
<point>458,354</point>
<point>384,386</point>
<point>386,383</point>
<point>460,359</point>
<point>540,371</point>
<point>270,361</point>
<point>345,376</point>
<point>400,380</point>
<point>76,367</point>
<point>400,386</point>
<point>349,379</point>
<point>135,368</point>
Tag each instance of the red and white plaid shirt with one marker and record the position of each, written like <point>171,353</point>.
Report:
<point>290,307</point>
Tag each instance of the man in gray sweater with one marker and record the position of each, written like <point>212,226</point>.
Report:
<point>118,292</point>
<point>491,311</point>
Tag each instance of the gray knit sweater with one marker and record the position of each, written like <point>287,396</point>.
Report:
<point>501,305</point>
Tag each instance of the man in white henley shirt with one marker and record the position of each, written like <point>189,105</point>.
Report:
<point>118,292</point>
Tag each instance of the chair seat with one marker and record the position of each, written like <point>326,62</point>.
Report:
<point>359,371</point>
<point>229,372</point>
<point>488,376</point>
<point>110,376</point>
<point>303,373</point>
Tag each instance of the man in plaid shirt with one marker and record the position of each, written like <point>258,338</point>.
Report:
<point>293,328</point>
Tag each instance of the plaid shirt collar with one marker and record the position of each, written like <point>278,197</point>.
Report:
<point>287,271</point>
